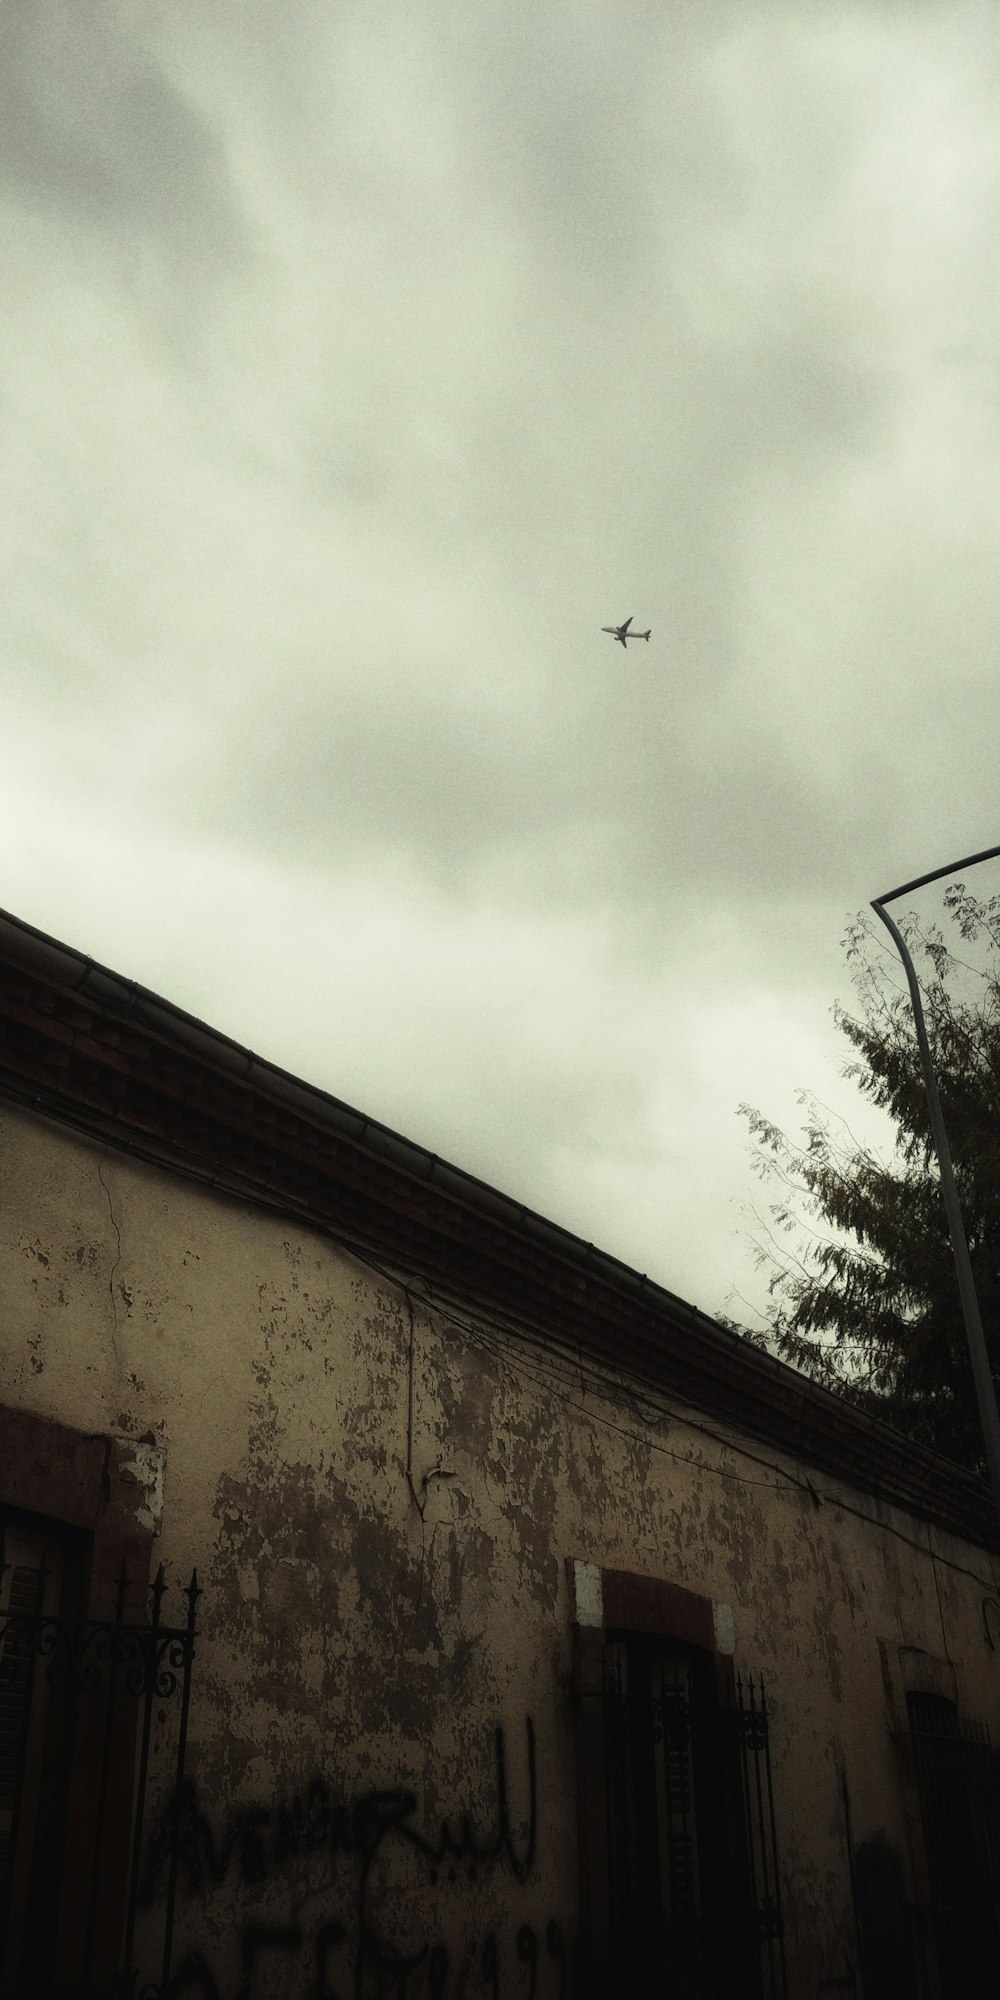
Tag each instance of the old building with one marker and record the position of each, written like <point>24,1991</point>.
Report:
<point>543,1638</point>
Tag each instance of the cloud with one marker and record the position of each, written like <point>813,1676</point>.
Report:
<point>359,364</point>
<point>92,131</point>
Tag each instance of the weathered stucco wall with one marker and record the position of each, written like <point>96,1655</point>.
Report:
<point>381,1495</point>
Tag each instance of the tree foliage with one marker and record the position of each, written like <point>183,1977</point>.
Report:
<point>862,1289</point>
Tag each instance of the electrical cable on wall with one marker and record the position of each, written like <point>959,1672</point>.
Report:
<point>535,1369</point>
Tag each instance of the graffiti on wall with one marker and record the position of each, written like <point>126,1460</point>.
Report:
<point>374,1840</point>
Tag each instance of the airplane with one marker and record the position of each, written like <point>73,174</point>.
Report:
<point>622,633</point>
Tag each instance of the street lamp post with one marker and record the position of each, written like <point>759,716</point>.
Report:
<point>985,1392</point>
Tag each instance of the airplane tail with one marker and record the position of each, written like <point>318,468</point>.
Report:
<point>642,635</point>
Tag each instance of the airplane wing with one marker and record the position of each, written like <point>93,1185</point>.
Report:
<point>628,621</point>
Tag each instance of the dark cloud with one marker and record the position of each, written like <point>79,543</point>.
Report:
<point>93,132</point>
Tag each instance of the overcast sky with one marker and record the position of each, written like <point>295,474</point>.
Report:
<point>358,363</point>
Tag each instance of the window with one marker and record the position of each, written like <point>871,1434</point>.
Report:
<point>694,1909</point>
<point>36,1569</point>
<point>81,1696</point>
<point>958,1782</point>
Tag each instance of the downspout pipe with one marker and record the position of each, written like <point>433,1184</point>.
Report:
<point>985,1391</point>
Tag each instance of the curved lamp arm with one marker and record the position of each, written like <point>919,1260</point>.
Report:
<point>985,1391</point>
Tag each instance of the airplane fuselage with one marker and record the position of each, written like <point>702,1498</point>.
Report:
<point>622,635</point>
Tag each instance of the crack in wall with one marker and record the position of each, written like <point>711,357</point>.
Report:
<point>118,1259</point>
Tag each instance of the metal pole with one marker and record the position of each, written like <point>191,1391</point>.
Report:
<point>985,1391</point>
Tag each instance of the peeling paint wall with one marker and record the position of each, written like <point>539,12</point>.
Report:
<point>381,1494</point>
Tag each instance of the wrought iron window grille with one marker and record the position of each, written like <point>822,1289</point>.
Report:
<point>958,1785</point>
<point>85,1689</point>
<point>695,1900</point>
